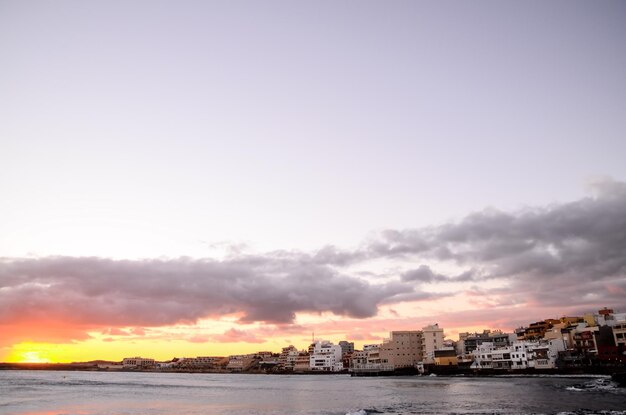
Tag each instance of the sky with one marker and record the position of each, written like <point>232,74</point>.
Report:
<point>200,178</point>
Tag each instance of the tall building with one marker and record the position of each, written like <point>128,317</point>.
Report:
<point>402,349</point>
<point>619,334</point>
<point>302,362</point>
<point>346,347</point>
<point>287,358</point>
<point>472,341</point>
<point>326,357</point>
<point>432,339</point>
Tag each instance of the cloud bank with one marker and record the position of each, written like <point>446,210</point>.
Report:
<point>571,254</point>
<point>107,292</point>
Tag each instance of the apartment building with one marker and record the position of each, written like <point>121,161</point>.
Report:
<point>432,339</point>
<point>519,355</point>
<point>287,358</point>
<point>619,333</point>
<point>402,349</point>
<point>325,356</point>
<point>205,362</point>
<point>137,362</point>
<point>302,362</point>
<point>468,342</point>
<point>238,363</point>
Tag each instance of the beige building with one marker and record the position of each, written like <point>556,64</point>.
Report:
<point>238,363</point>
<point>373,353</point>
<point>432,339</point>
<point>287,358</point>
<point>206,362</point>
<point>402,349</point>
<point>368,360</point>
<point>302,362</point>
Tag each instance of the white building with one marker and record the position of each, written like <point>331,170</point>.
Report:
<point>619,333</point>
<point>516,356</point>
<point>288,357</point>
<point>483,356</point>
<point>546,353</point>
<point>325,356</point>
<point>519,355</point>
<point>134,362</point>
<point>606,317</point>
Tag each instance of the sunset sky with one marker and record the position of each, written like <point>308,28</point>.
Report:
<point>199,178</point>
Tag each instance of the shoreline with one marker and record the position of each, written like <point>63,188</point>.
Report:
<point>600,371</point>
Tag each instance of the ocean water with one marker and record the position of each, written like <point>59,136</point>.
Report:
<point>104,393</point>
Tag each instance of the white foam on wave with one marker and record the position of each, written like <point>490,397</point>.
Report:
<point>584,412</point>
<point>574,388</point>
<point>359,412</point>
<point>603,385</point>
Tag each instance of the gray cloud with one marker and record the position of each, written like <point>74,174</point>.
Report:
<point>100,291</point>
<point>423,274</point>
<point>571,254</point>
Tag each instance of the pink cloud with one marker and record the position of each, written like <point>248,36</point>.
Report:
<point>236,336</point>
<point>552,261</point>
<point>616,290</point>
<point>42,331</point>
<point>363,336</point>
<point>197,339</point>
<point>138,331</point>
<point>114,331</point>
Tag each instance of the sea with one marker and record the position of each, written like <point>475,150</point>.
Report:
<point>121,393</point>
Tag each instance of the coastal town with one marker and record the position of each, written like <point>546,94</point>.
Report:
<point>594,342</point>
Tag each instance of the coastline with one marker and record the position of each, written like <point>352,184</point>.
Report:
<point>443,371</point>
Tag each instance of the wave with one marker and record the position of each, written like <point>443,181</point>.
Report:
<point>579,412</point>
<point>585,412</point>
<point>597,385</point>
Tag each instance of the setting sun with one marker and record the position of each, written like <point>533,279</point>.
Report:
<point>33,357</point>
<point>29,353</point>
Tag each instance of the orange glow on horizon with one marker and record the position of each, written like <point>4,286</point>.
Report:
<point>28,353</point>
<point>65,343</point>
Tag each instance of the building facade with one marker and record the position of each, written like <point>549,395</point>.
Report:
<point>137,362</point>
<point>472,341</point>
<point>302,363</point>
<point>326,357</point>
<point>432,339</point>
<point>402,349</point>
<point>287,358</point>
<point>346,347</point>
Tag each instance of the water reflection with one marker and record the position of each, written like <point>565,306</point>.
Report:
<point>30,393</point>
